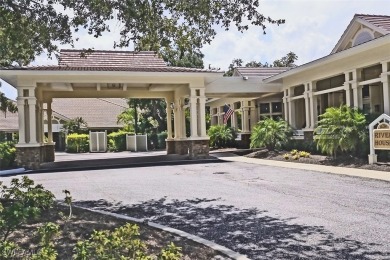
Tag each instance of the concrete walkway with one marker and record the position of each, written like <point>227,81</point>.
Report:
<point>378,175</point>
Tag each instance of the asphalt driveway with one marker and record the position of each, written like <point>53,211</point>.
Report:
<point>262,211</point>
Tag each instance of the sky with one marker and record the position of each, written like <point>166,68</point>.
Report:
<point>312,29</point>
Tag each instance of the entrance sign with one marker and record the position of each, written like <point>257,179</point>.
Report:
<point>382,139</point>
<point>379,137</point>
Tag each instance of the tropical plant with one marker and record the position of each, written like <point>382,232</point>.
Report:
<point>7,154</point>
<point>7,105</point>
<point>75,126</point>
<point>270,133</point>
<point>222,136</point>
<point>340,129</point>
<point>126,118</point>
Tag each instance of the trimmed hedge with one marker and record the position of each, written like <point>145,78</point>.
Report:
<point>117,141</point>
<point>77,143</point>
<point>7,155</point>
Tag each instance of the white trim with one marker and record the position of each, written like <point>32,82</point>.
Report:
<point>333,57</point>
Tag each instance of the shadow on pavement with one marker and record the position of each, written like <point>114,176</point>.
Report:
<point>247,231</point>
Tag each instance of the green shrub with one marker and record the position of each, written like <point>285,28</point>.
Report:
<point>20,202</point>
<point>7,155</point>
<point>122,243</point>
<point>161,140</point>
<point>77,143</point>
<point>117,141</point>
<point>340,129</point>
<point>222,136</point>
<point>270,133</point>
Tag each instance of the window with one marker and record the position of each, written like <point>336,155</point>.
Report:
<point>276,107</point>
<point>362,37</point>
<point>264,108</point>
<point>366,91</point>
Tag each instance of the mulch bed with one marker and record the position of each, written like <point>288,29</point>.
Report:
<point>83,223</point>
<point>341,161</point>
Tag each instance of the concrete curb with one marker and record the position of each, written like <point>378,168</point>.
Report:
<point>127,165</point>
<point>221,249</point>
<point>12,172</point>
<point>352,172</point>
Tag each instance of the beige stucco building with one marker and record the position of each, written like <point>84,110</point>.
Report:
<point>355,73</point>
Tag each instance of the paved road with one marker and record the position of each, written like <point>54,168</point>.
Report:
<point>262,211</point>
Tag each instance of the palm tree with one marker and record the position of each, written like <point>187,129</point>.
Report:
<point>221,136</point>
<point>340,129</point>
<point>7,105</point>
<point>270,133</point>
<point>127,119</point>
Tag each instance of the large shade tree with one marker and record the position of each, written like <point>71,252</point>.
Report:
<point>30,27</point>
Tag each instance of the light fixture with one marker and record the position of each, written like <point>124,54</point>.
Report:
<point>245,77</point>
<point>172,105</point>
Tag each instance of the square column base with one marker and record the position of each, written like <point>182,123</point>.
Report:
<point>199,149</point>
<point>372,158</point>
<point>195,148</point>
<point>245,141</point>
<point>177,146</point>
<point>31,157</point>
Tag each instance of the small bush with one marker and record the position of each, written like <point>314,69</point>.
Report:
<point>286,156</point>
<point>7,155</point>
<point>270,133</point>
<point>77,143</point>
<point>117,141</point>
<point>222,136</point>
<point>294,152</point>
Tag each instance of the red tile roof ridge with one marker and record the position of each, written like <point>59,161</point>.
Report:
<point>373,15</point>
<point>107,51</point>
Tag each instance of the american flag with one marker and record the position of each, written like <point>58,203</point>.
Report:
<point>228,112</point>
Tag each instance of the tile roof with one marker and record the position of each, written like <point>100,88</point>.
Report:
<point>97,112</point>
<point>128,69</point>
<point>9,122</point>
<point>381,21</point>
<point>101,58</point>
<point>259,71</point>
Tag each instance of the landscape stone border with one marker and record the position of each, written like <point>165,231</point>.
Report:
<point>216,247</point>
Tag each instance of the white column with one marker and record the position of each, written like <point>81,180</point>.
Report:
<point>285,108</point>
<point>253,117</point>
<point>21,118</point>
<point>245,118</point>
<point>32,102</point>
<point>357,95</point>
<point>49,114</point>
<point>290,112</point>
<point>175,117</point>
<point>219,122</point>
<point>313,105</point>
<point>40,128</point>
<point>194,116</point>
<point>306,96</point>
<point>202,115</point>
<point>356,89</point>
<point>386,88</point>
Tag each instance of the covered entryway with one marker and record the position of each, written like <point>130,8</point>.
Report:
<point>108,74</point>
